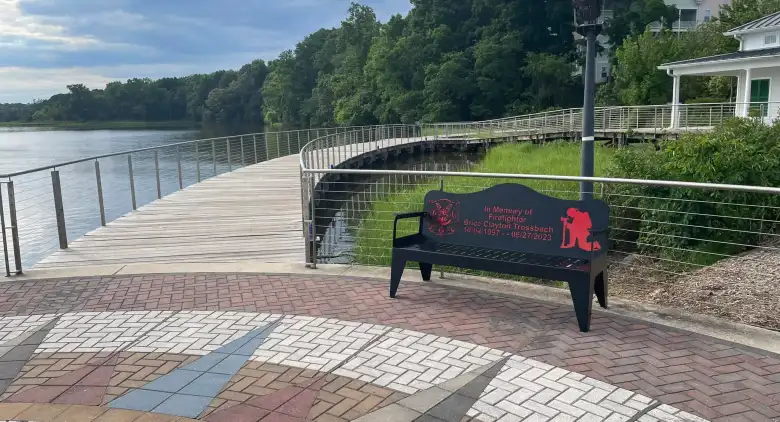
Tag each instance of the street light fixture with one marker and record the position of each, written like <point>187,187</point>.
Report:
<point>587,13</point>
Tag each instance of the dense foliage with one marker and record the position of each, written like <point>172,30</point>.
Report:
<point>636,79</point>
<point>445,60</point>
<point>697,225</point>
<point>227,97</point>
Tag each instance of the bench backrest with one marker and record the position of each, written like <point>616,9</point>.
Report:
<point>516,218</point>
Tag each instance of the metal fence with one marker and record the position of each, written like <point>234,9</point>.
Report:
<point>706,248</point>
<point>652,119</point>
<point>43,209</point>
<point>334,149</point>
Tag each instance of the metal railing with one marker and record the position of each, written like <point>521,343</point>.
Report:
<point>43,209</point>
<point>333,149</point>
<point>610,121</point>
<point>707,248</point>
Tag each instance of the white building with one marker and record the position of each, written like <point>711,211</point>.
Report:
<point>691,14</point>
<point>756,66</point>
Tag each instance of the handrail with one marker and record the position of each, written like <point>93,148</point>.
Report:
<point>28,199</point>
<point>133,151</point>
<point>550,114</point>
<point>608,180</point>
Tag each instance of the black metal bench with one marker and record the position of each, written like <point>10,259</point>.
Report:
<point>511,229</point>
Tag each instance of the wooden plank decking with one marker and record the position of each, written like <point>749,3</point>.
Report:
<point>252,213</point>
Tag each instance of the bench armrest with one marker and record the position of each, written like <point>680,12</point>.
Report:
<point>403,216</point>
<point>601,236</point>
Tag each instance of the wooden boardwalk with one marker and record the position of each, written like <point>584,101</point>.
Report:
<point>252,213</point>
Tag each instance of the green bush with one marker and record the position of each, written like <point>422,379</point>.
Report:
<point>695,225</point>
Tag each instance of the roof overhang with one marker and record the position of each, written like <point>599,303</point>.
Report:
<point>722,67</point>
<point>751,31</point>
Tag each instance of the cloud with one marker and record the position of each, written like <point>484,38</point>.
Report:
<point>17,27</point>
<point>107,39</point>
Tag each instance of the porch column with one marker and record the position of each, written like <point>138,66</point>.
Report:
<point>675,101</point>
<point>746,101</point>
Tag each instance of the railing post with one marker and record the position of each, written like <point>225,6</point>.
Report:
<point>278,146</point>
<point>100,193</point>
<point>3,234</point>
<point>157,174</point>
<point>254,145</point>
<point>655,117</point>
<point>14,228</point>
<point>327,151</point>
<point>59,210</point>
<point>289,148</point>
<point>214,155</point>
<point>265,142</point>
<point>313,223</point>
<point>197,161</point>
<point>230,161</point>
<point>132,181</point>
<point>178,165</point>
<point>243,160</point>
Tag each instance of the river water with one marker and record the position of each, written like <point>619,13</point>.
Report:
<point>26,148</point>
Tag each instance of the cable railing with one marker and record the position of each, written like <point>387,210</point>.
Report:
<point>707,248</point>
<point>42,209</point>
<point>609,121</point>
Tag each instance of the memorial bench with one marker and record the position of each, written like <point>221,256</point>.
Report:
<point>511,229</point>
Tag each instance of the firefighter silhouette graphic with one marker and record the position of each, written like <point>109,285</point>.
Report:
<point>444,215</point>
<point>576,231</point>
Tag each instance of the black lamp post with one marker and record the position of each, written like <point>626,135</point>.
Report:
<point>587,13</point>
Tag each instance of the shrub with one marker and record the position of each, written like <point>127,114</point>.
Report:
<point>696,225</point>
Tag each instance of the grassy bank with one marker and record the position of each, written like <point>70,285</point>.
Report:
<point>104,125</point>
<point>374,236</point>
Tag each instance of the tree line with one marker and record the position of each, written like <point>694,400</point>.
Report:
<point>443,61</point>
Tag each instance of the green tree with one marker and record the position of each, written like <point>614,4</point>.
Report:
<point>631,18</point>
<point>740,12</point>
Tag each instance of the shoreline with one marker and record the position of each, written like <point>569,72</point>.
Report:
<point>109,125</point>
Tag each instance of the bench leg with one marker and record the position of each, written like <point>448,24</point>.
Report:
<point>396,271</point>
<point>426,270</point>
<point>582,296</point>
<point>602,289</point>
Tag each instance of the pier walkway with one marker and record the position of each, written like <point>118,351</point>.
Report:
<point>250,214</point>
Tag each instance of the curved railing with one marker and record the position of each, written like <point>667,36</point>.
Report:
<point>43,208</point>
<point>333,149</point>
<point>648,119</point>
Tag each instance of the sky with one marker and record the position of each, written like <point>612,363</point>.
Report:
<point>48,44</point>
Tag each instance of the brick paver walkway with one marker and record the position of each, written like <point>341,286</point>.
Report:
<point>713,379</point>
